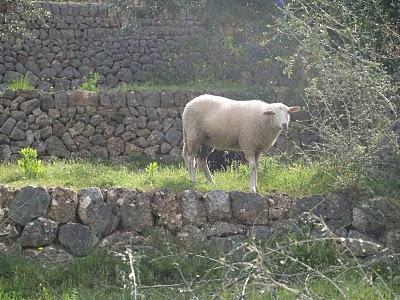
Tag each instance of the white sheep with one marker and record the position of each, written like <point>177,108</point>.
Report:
<point>211,122</point>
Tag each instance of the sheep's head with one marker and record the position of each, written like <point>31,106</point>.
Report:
<point>279,115</point>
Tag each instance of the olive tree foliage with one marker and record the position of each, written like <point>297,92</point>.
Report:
<point>15,16</point>
<point>349,54</point>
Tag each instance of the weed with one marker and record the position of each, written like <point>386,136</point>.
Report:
<point>29,164</point>
<point>90,83</point>
<point>21,83</point>
<point>151,170</point>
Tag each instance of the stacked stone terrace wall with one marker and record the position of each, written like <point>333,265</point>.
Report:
<point>105,125</point>
<point>78,39</point>
<point>59,223</point>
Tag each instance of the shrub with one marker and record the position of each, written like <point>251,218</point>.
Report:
<point>348,90</point>
<point>29,164</point>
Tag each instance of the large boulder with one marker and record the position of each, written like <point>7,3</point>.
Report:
<point>48,256</point>
<point>39,232</point>
<point>93,211</point>
<point>77,239</point>
<point>249,208</point>
<point>167,210</point>
<point>192,207</point>
<point>28,204</point>
<point>136,212</point>
<point>218,206</point>
<point>64,203</point>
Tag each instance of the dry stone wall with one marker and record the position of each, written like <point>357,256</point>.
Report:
<point>58,223</point>
<point>78,39</point>
<point>105,125</point>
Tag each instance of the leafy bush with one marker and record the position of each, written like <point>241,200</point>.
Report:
<point>21,83</point>
<point>90,83</point>
<point>349,92</point>
<point>29,164</point>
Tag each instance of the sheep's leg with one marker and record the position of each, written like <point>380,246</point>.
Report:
<point>203,164</point>
<point>252,159</point>
<point>191,164</point>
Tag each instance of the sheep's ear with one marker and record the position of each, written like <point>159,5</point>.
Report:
<point>268,113</point>
<point>294,109</point>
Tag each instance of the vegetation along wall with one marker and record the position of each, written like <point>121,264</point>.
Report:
<point>77,39</point>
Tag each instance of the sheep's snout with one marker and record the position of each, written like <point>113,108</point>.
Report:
<point>285,126</point>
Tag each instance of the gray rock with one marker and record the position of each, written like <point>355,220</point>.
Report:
<point>230,246</point>
<point>119,242</point>
<point>279,206</point>
<point>4,139</point>
<point>5,152</point>
<point>115,146</point>
<point>56,147</point>
<point>39,232</point>
<point>29,203</point>
<point>58,128</point>
<point>125,75</point>
<point>17,135</point>
<point>392,238</point>
<point>155,138</point>
<point>173,136</point>
<point>77,128</point>
<point>361,245</point>
<point>141,122</point>
<point>218,206</point>
<point>98,140</point>
<point>259,232</point>
<point>367,223</point>
<point>11,75</point>
<point>77,239</point>
<point>33,67</point>
<point>249,208</point>
<point>96,119</point>
<point>314,204</point>
<point>47,101</point>
<point>8,126</point>
<point>167,99</point>
<point>192,208</point>
<point>223,229</point>
<point>43,120</point>
<point>190,234</point>
<point>69,142</point>
<point>63,206</point>
<point>136,212</point>
<point>151,99</point>
<point>18,115</point>
<point>82,98</point>
<point>93,211</point>
<point>48,256</point>
<point>166,208</point>
<point>338,211</point>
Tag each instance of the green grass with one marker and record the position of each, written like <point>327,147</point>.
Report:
<point>19,84</point>
<point>275,175</point>
<point>295,179</point>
